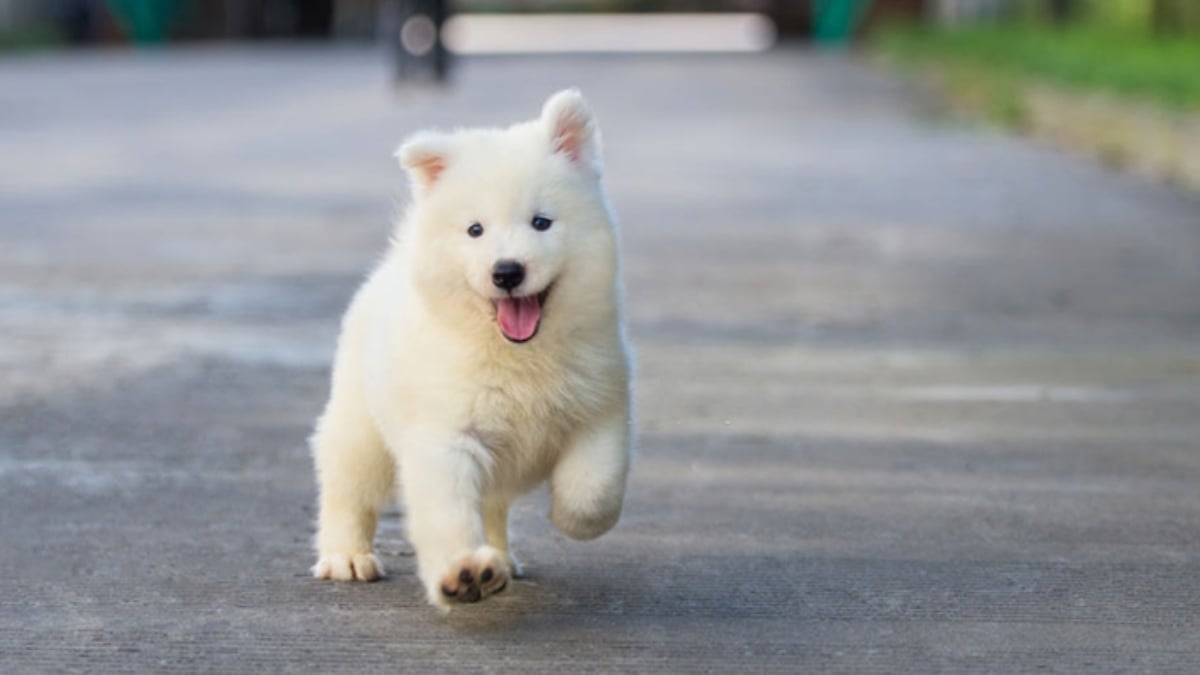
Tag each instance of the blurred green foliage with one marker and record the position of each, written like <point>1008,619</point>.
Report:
<point>1162,16</point>
<point>1123,14</point>
<point>1115,51</point>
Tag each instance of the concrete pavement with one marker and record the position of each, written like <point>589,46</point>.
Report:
<point>914,397</point>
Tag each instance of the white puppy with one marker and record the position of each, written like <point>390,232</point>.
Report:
<point>486,354</point>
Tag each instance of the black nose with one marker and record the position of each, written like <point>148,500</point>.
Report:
<point>508,274</point>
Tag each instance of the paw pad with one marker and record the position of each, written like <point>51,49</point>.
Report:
<point>472,576</point>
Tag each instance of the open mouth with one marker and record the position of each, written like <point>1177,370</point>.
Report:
<point>520,317</point>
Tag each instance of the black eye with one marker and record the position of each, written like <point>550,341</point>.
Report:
<point>475,230</point>
<point>541,223</point>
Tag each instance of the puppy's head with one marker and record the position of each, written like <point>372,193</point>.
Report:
<point>511,225</point>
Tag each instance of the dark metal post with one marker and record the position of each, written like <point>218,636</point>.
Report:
<point>413,30</point>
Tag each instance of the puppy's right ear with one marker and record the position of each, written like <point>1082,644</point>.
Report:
<point>425,155</point>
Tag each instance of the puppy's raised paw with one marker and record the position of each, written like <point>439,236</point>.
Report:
<point>471,576</point>
<point>348,567</point>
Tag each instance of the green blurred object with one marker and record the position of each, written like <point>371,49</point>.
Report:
<point>1131,62</point>
<point>148,22</point>
<point>836,20</point>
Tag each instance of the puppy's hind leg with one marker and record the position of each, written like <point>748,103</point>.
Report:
<point>588,483</point>
<point>356,476</point>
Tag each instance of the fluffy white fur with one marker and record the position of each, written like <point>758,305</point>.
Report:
<point>429,396</point>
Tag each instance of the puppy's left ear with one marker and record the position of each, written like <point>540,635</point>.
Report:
<point>572,128</point>
<point>425,155</point>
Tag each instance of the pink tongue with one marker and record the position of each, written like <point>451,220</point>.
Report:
<point>519,317</point>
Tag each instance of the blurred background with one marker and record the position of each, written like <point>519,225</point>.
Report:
<point>82,22</point>
<point>1143,47</point>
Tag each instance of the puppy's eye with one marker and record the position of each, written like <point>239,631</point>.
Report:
<point>541,223</point>
<point>475,230</point>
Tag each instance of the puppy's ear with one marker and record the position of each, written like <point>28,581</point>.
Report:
<point>573,131</point>
<point>425,155</point>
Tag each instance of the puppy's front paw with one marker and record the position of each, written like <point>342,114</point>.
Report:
<point>348,567</point>
<point>471,576</point>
